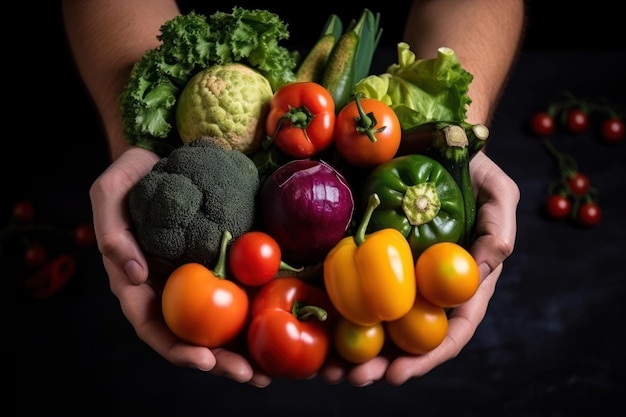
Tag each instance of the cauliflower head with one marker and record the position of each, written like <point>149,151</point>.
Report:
<point>227,101</point>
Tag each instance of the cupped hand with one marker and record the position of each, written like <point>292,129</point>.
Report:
<point>497,197</point>
<point>128,273</point>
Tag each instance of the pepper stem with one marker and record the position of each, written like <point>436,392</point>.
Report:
<point>372,203</point>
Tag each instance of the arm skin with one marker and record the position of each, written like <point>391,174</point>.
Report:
<point>485,35</point>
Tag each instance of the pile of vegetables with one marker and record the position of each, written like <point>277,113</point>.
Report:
<point>344,227</point>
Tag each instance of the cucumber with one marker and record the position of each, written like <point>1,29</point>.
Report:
<point>313,65</point>
<point>338,75</point>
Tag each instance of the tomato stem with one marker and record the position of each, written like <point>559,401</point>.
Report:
<point>365,123</point>
<point>220,268</point>
<point>305,311</point>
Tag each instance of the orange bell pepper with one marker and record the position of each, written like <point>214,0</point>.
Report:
<point>371,278</point>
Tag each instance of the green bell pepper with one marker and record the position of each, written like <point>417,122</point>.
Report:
<point>419,198</point>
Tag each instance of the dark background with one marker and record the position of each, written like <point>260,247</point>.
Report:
<point>551,345</point>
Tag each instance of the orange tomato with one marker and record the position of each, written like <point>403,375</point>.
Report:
<point>203,308</point>
<point>356,343</point>
<point>421,330</point>
<point>446,274</point>
<point>367,132</point>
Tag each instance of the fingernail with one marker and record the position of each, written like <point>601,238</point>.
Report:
<point>133,271</point>
<point>484,270</point>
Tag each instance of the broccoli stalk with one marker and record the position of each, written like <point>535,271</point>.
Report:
<point>182,207</point>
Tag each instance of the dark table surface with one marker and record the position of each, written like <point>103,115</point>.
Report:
<point>552,343</point>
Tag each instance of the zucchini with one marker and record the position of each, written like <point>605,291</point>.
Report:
<point>312,67</point>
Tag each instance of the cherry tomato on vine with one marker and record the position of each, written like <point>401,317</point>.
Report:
<point>367,132</point>
<point>589,213</point>
<point>301,119</point>
<point>542,124</point>
<point>446,274</point>
<point>356,343</point>
<point>577,120</point>
<point>420,330</point>
<point>255,258</point>
<point>23,211</point>
<point>84,235</point>
<point>578,183</point>
<point>612,129</point>
<point>558,206</point>
<point>35,255</point>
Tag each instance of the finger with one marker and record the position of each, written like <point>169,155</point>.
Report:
<point>111,224</point>
<point>369,372</point>
<point>140,304</point>
<point>496,223</point>
<point>462,325</point>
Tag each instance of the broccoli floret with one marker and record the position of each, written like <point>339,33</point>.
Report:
<point>181,208</point>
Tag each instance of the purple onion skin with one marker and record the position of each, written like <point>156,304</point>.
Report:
<point>307,206</point>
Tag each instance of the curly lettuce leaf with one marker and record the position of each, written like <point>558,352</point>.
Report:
<point>423,90</point>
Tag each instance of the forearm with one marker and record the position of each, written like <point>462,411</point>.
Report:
<point>484,34</point>
<point>106,38</point>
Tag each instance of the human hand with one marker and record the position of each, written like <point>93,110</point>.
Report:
<point>497,196</point>
<point>128,272</point>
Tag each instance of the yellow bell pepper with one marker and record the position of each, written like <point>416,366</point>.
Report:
<point>371,278</point>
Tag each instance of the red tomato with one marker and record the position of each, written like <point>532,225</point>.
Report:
<point>542,124</point>
<point>84,235</point>
<point>578,183</point>
<point>255,258</point>
<point>446,274</point>
<point>367,132</point>
<point>23,211</point>
<point>301,119</point>
<point>289,333</point>
<point>52,277</point>
<point>558,206</point>
<point>203,308</point>
<point>577,120</point>
<point>589,214</point>
<point>612,129</point>
<point>35,255</point>
<point>421,330</point>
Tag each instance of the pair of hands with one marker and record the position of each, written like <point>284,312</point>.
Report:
<point>127,268</point>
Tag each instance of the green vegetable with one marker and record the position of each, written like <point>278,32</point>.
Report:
<point>423,90</point>
<point>451,149</point>
<point>226,101</point>
<point>312,67</point>
<point>183,206</point>
<point>419,198</point>
<point>190,43</point>
<point>351,57</point>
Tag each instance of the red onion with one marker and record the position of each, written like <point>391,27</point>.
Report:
<point>307,206</point>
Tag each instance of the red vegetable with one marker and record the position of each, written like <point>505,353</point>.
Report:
<point>612,129</point>
<point>577,120</point>
<point>53,276</point>
<point>578,183</point>
<point>306,206</point>
<point>367,132</point>
<point>558,206</point>
<point>255,258</point>
<point>542,124</point>
<point>589,214</point>
<point>301,119</point>
<point>289,332</point>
